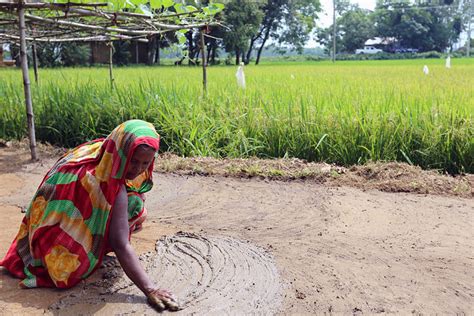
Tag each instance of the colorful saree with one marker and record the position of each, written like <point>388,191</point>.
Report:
<point>63,236</point>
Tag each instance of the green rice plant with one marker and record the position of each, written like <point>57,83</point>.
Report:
<point>345,113</point>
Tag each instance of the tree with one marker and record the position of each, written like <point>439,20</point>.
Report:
<point>331,36</point>
<point>49,54</point>
<point>243,19</point>
<point>122,53</point>
<point>356,27</point>
<point>74,54</point>
<point>62,54</point>
<point>324,37</point>
<point>213,43</point>
<point>300,19</point>
<point>425,26</point>
<point>289,22</point>
<point>353,27</point>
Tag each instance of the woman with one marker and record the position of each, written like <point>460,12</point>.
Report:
<point>87,205</point>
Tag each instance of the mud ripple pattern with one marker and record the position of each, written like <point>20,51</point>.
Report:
<point>209,275</point>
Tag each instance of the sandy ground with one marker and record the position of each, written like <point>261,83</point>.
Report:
<point>270,247</point>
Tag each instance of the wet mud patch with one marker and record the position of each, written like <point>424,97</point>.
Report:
<point>211,275</point>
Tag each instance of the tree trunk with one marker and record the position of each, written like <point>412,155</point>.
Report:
<point>151,50</point>
<point>157,55</point>
<point>260,49</point>
<point>35,62</point>
<point>209,51</point>
<point>249,52</point>
<point>136,53</point>
<point>237,57</point>
<point>26,83</point>
<point>203,58</point>
<point>111,74</point>
<point>192,51</point>
<point>214,52</point>
<point>334,28</point>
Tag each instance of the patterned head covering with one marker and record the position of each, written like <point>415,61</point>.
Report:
<point>63,235</point>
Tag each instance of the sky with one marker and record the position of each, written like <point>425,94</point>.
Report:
<point>326,15</point>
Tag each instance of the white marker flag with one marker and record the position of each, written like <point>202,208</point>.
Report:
<point>426,71</point>
<point>448,62</point>
<point>240,76</point>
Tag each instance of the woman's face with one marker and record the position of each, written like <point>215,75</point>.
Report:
<point>140,161</point>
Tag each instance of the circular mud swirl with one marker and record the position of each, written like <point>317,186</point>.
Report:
<point>208,275</point>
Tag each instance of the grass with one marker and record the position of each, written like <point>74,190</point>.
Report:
<point>347,113</point>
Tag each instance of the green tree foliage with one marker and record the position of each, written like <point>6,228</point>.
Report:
<point>425,26</point>
<point>353,27</point>
<point>72,54</point>
<point>62,54</point>
<point>243,20</point>
<point>356,27</point>
<point>48,54</point>
<point>289,22</point>
<point>122,55</point>
<point>300,19</point>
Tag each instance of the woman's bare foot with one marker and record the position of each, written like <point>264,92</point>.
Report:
<point>163,299</point>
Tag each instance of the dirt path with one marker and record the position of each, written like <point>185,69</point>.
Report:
<point>270,247</point>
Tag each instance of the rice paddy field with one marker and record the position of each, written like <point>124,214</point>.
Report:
<point>345,113</point>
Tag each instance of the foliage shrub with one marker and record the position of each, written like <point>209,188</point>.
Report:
<point>390,56</point>
<point>430,54</point>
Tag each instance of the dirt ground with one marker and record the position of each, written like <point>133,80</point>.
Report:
<point>275,237</point>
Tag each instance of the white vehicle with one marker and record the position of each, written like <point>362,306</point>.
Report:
<point>368,50</point>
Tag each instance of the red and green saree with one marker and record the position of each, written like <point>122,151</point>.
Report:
<point>63,236</point>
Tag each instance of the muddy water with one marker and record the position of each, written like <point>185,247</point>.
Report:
<point>208,274</point>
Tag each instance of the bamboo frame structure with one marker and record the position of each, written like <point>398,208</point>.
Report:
<point>26,84</point>
<point>85,21</point>
<point>204,64</point>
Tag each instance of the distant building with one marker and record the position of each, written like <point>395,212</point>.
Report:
<point>383,43</point>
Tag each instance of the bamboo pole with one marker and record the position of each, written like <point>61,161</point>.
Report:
<point>99,38</point>
<point>35,61</point>
<point>468,43</point>
<point>158,47</point>
<point>203,58</point>
<point>162,26</point>
<point>136,53</point>
<point>111,54</point>
<point>26,82</point>
<point>14,4</point>
<point>87,26</point>
<point>334,30</point>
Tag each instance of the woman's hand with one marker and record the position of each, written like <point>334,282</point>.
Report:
<point>162,299</point>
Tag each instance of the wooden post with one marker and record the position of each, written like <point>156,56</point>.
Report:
<point>111,53</point>
<point>136,53</point>
<point>468,44</point>
<point>26,82</point>
<point>203,58</point>
<point>334,28</point>
<point>35,62</point>
<point>158,46</point>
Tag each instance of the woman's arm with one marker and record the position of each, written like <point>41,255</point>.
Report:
<point>118,240</point>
